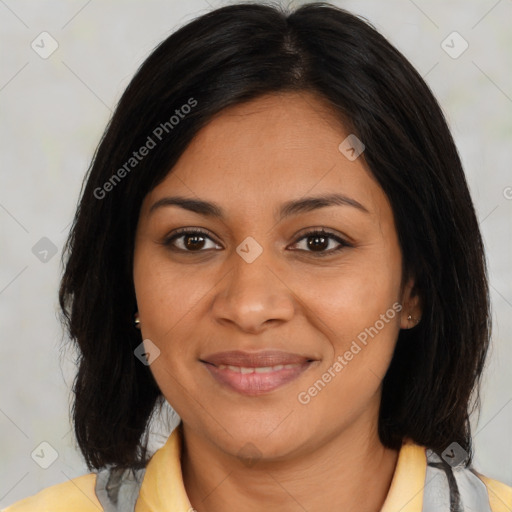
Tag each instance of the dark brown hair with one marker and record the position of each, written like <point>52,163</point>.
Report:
<point>229,56</point>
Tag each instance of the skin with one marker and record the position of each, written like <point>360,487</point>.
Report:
<point>250,160</point>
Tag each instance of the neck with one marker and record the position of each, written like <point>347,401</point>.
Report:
<point>351,471</point>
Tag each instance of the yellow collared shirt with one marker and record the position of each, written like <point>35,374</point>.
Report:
<point>163,490</point>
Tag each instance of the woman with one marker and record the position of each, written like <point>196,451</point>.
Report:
<point>276,237</point>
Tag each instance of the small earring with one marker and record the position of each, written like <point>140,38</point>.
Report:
<point>137,321</point>
<point>415,320</point>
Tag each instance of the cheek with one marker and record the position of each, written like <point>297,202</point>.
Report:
<point>357,309</point>
<point>171,299</point>
<point>352,297</point>
<point>359,319</point>
<point>167,300</point>
<point>165,292</point>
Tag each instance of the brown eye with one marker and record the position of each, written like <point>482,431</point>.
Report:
<point>189,240</point>
<point>318,241</point>
<point>194,241</point>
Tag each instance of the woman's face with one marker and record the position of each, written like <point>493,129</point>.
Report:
<point>254,281</point>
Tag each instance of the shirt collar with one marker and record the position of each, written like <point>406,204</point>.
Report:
<point>163,488</point>
<point>406,490</point>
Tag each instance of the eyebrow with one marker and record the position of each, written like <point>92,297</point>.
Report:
<point>294,207</point>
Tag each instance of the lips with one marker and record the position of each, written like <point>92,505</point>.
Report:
<point>255,359</point>
<point>255,373</point>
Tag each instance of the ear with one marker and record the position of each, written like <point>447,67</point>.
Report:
<point>411,306</point>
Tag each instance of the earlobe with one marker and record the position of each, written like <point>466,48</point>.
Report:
<point>412,309</point>
<point>411,322</point>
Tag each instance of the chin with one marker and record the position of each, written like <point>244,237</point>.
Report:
<point>262,441</point>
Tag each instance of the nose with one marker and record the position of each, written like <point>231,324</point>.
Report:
<point>253,295</point>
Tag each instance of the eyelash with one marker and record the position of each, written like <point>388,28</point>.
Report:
<point>168,241</point>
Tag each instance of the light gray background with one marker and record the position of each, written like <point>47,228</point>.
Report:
<point>54,111</point>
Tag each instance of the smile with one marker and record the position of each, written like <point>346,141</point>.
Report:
<point>260,369</point>
<point>255,373</point>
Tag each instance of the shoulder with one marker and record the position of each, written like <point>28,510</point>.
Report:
<point>500,494</point>
<point>77,495</point>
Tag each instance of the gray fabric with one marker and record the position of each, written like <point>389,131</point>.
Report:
<point>436,494</point>
<point>117,490</point>
<point>453,489</point>
<point>476,496</point>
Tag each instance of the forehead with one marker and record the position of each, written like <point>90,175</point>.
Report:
<point>281,128</point>
<point>273,148</point>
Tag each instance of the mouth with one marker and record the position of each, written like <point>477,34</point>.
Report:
<point>255,373</point>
